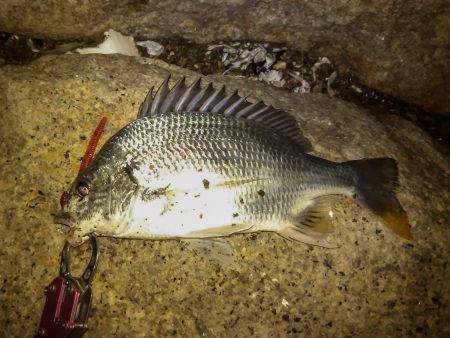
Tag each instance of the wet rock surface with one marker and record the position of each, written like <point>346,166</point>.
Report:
<point>400,48</point>
<point>374,284</point>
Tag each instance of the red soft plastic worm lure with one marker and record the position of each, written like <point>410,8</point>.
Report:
<point>90,150</point>
<point>88,155</point>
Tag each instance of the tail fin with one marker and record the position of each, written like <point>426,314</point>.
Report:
<point>375,189</point>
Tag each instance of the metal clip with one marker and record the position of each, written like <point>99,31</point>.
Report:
<point>69,298</point>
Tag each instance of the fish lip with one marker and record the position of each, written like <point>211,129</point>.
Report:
<point>74,239</point>
<point>72,236</point>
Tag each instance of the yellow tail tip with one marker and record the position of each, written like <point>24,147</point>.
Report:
<point>398,222</point>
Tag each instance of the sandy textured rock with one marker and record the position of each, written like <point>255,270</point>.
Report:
<point>401,48</point>
<point>374,284</point>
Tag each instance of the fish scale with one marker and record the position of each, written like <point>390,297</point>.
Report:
<point>211,173</point>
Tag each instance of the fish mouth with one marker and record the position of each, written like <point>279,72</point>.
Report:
<point>72,233</point>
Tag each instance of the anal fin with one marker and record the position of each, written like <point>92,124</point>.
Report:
<point>313,223</point>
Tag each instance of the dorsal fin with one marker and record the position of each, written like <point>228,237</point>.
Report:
<point>209,100</point>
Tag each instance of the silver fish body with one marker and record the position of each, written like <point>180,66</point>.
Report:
<point>190,174</point>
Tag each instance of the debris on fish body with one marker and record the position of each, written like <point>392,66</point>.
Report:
<point>201,163</point>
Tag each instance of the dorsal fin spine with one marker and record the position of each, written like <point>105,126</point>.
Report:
<point>188,95</point>
<point>198,99</point>
<point>209,103</point>
<point>235,106</point>
<point>162,92</point>
<point>145,107</point>
<point>172,97</point>
<point>227,100</point>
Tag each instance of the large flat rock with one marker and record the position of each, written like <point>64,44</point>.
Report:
<point>374,284</point>
<point>401,48</point>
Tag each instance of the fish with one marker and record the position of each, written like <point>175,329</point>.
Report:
<point>201,162</point>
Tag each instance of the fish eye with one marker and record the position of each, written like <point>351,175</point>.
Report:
<point>82,189</point>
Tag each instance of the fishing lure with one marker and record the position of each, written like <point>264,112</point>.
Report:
<point>88,155</point>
